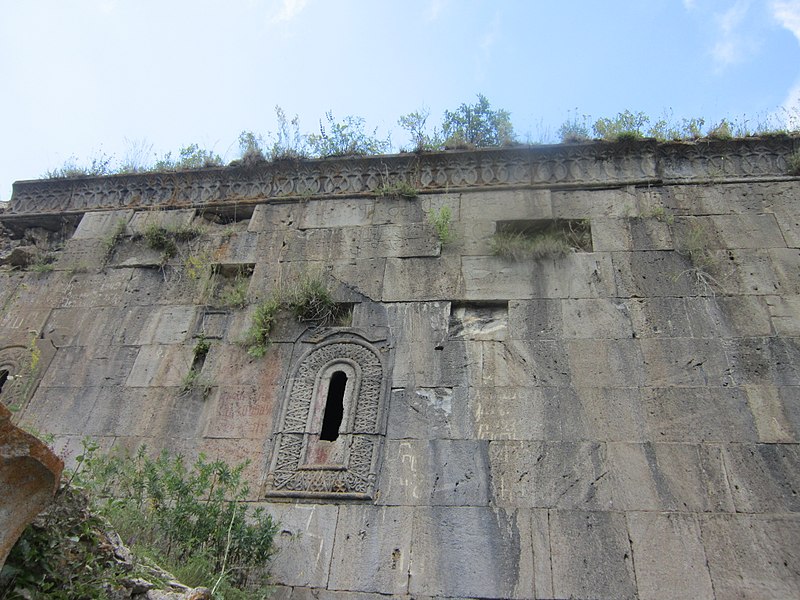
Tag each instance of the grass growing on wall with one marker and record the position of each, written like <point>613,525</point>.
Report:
<point>536,241</point>
<point>309,299</point>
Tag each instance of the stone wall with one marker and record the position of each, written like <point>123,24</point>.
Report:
<point>618,422</point>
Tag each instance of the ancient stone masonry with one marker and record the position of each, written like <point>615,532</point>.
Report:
<point>563,371</point>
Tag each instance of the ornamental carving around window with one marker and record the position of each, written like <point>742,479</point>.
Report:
<point>330,433</point>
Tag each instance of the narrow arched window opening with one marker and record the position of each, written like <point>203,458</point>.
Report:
<point>334,407</point>
<point>3,378</point>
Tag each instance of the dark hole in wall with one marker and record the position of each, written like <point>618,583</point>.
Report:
<point>334,407</point>
<point>228,214</point>
<point>3,378</point>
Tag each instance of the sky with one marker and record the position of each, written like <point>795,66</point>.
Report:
<point>85,78</point>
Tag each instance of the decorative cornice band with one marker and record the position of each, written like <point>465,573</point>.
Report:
<point>591,164</point>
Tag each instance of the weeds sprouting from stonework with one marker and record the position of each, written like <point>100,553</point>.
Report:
<point>793,163</point>
<point>536,241</point>
<point>309,300</point>
<point>165,239</point>
<point>401,189</point>
<point>442,221</point>
<point>257,337</point>
<point>115,237</point>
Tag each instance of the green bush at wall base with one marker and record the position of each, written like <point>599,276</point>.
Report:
<point>189,518</point>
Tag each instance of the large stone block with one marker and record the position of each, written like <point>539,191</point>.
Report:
<point>601,414</point>
<point>591,555</point>
<point>100,326</point>
<point>669,477</point>
<point>432,364</point>
<point>472,238</point>
<point>396,210</point>
<point>596,318</point>
<point>655,274</point>
<point>746,272</point>
<point>611,234</point>
<point>336,212</point>
<point>587,204</point>
<point>719,199</point>
<point>479,322</point>
<point>96,289</point>
<point>665,317</point>
<point>430,413</point>
<point>171,285</point>
<point>372,550</point>
<point>275,216</point>
<point>539,319</point>
<point>81,255</point>
<point>62,410</point>
<point>418,321</point>
<point>758,361</point>
<point>242,412</point>
<point>784,313</point>
<point>237,248</point>
<point>161,365</point>
<point>435,473</point>
<point>86,366</point>
<point>523,362</point>
<point>683,362</point>
<point>399,241</point>
<point>17,328</point>
<point>570,475</point>
<point>506,205</point>
<point>473,552</point>
<point>577,275</point>
<point>182,418</point>
<point>698,414</point>
<point>650,234</point>
<point>408,279</point>
<point>605,363</point>
<point>517,412</point>
<point>728,316</point>
<point>365,276</point>
<point>39,292</point>
<point>753,556</point>
<point>670,559</point>
<point>304,543</point>
<point>99,225</point>
<point>765,478</point>
<point>772,413</point>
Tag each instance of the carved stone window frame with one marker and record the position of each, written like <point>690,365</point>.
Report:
<point>302,465</point>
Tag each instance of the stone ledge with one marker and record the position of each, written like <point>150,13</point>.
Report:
<point>563,165</point>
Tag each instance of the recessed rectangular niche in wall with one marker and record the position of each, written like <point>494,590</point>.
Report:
<point>229,285</point>
<point>479,321</point>
<point>228,213</point>
<point>541,239</point>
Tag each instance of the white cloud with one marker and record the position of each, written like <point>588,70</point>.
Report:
<point>486,44</point>
<point>732,45</point>
<point>288,10</point>
<point>790,108</point>
<point>435,8</point>
<point>689,4</point>
<point>787,13</point>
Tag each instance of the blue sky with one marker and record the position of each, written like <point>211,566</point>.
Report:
<point>78,77</point>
